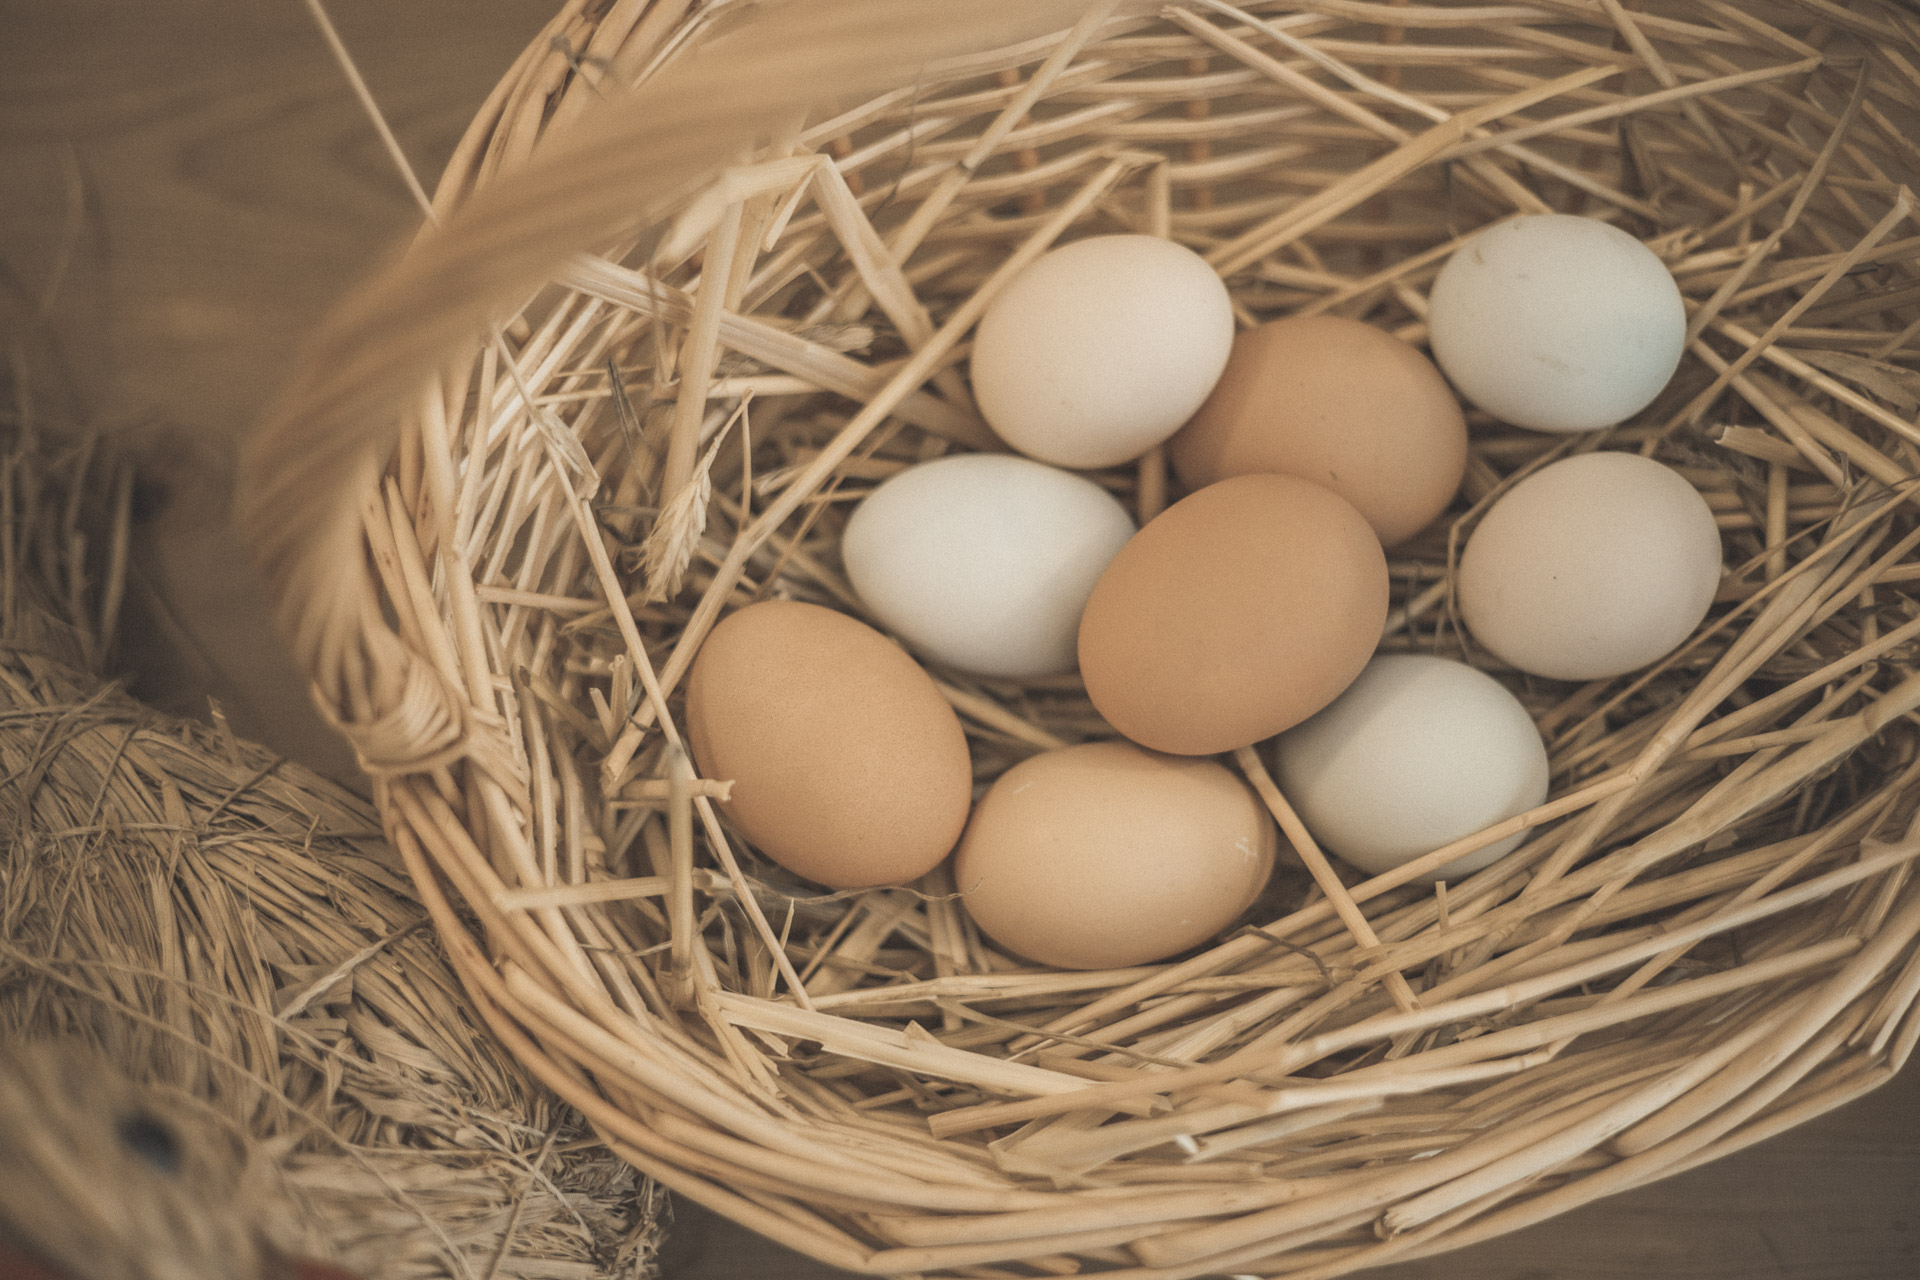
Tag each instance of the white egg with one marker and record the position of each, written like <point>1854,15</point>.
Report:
<point>1556,323</point>
<point>984,561</point>
<point>1101,349</point>
<point>1591,567</point>
<point>1417,753</point>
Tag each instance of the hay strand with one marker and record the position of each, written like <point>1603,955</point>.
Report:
<point>194,929</point>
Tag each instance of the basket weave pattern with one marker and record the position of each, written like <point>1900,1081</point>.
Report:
<point>1709,934</point>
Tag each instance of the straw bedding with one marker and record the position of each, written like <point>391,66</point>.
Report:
<point>1708,936</point>
<point>196,933</point>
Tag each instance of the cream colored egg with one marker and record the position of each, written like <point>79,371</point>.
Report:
<point>1417,753</point>
<point>1557,322</point>
<point>1105,855</point>
<point>984,561</point>
<point>1100,349</point>
<point>1591,567</point>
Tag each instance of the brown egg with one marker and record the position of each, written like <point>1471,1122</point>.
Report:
<point>849,767</point>
<point>1104,855</point>
<point>1340,403</point>
<point>1240,611</point>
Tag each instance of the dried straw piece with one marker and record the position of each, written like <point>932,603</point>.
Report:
<point>1709,930</point>
<point>230,931</point>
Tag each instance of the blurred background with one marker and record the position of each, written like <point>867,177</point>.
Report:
<point>185,187</point>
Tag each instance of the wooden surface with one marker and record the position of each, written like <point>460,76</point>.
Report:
<point>184,187</point>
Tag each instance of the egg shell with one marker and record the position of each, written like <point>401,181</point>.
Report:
<point>1340,403</point>
<point>1236,613</point>
<point>1100,349</point>
<point>1104,855</point>
<point>1591,567</point>
<point>849,767</point>
<point>1417,753</point>
<point>984,561</point>
<point>1557,322</point>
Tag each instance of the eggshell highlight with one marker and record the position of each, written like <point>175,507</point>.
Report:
<point>1340,403</point>
<point>849,767</point>
<point>1238,612</point>
<point>1103,855</point>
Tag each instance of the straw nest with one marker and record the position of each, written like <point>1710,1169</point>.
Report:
<point>225,1034</point>
<point>1709,935</point>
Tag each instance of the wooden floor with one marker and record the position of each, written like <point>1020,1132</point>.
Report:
<point>184,187</point>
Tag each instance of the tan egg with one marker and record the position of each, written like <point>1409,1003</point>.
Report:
<point>1105,855</point>
<point>1238,612</point>
<point>1340,403</point>
<point>1591,567</point>
<point>849,767</point>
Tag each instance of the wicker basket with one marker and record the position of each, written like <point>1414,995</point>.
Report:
<point>1708,936</point>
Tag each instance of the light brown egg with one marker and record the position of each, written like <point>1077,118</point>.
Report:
<point>1105,855</point>
<point>849,767</point>
<point>1238,612</point>
<point>1340,403</point>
